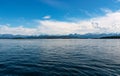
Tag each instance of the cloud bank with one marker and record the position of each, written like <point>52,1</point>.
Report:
<point>5,29</point>
<point>109,23</point>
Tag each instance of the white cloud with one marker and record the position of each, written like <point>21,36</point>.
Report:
<point>106,10</point>
<point>110,23</point>
<point>47,17</point>
<point>5,29</point>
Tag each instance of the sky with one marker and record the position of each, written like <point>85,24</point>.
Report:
<point>36,17</point>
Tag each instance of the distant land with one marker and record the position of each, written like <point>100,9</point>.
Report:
<point>111,37</point>
<point>69,36</point>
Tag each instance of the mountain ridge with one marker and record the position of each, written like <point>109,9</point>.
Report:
<point>69,36</point>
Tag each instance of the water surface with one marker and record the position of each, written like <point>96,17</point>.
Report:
<point>60,57</point>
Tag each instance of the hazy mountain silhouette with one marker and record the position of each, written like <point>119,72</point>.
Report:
<point>69,36</point>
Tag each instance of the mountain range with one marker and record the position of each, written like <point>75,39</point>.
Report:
<point>69,36</point>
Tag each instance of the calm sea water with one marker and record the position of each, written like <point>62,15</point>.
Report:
<point>60,57</point>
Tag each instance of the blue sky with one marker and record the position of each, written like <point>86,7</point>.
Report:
<point>58,9</point>
<point>29,14</point>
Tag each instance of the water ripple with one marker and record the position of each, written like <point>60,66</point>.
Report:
<point>59,57</point>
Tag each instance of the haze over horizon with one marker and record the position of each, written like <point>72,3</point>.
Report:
<point>36,17</point>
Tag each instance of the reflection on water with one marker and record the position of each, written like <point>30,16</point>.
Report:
<point>60,57</point>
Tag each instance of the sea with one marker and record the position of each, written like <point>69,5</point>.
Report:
<point>59,57</point>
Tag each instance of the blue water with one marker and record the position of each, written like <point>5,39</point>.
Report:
<point>60,57</point>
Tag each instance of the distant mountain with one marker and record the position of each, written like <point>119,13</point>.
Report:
<point>10,36</point>
<point>70,36</point>
<point>111,37</point>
